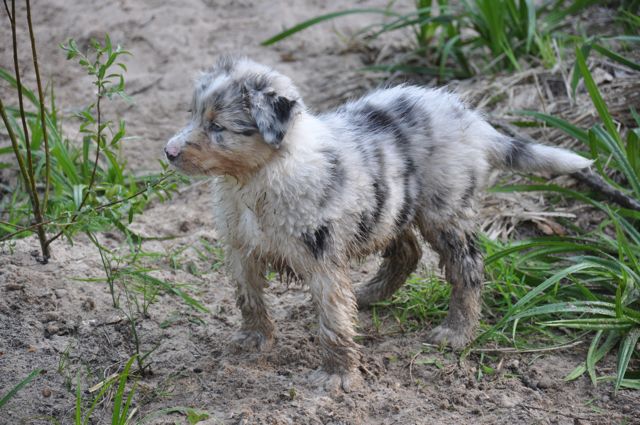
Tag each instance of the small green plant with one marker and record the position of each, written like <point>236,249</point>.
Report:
<point>421,299</point>
<point>134,289</point>
<point>67,186</point>
<point>122,412</point>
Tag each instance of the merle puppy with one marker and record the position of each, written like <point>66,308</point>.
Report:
<point>313,191</point>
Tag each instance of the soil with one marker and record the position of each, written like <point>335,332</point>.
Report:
<point>52,320</point>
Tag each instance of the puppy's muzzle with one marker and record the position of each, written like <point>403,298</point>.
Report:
<point>172,152</point>
<point>174,146</point>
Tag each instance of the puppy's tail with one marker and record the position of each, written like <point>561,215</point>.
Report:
<point>513,154</point>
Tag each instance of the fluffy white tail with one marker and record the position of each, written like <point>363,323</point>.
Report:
<point>515,154</point>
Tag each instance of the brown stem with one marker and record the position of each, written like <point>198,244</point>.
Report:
<point>45,138</point>
<point>23,117</point>
<point>6,7</point>
<point>31,181</point>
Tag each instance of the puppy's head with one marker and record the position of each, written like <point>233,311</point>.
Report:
<point>240,114</point>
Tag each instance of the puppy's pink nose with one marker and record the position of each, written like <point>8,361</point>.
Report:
<point>172,152</point>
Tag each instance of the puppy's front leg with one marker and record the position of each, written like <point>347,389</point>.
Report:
<point>337,309</point>
<point>257,327</point>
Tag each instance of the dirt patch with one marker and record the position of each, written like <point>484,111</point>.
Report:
<point>51,320</point>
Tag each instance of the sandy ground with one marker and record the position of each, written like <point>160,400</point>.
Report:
<point>51,320</point>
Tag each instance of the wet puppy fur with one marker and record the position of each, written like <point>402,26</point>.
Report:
<point>310,192</point>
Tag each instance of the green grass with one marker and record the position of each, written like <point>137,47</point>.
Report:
<point>459,40</point>
<point>594,275</point>
<point>83,185</point>
<point>122,411</point>
<point>423,299</point>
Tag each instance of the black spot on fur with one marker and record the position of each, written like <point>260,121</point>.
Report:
<point>336,176</point>
<point>282,108</point>
<point>472,243</point>
<point>517,153</point>
<point>467,196</point>
<point>370,219</point>
<point>377,119</point>
<point>270,111</point>
<point>407,210</point>
<point>318,241</point>
<point>364,228</point>
<point>380,190</point>
<point>405,109</point>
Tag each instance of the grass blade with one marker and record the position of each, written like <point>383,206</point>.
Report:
<point>592,324</point>
<point>171,289</point>
<point>620,156</point>
<point>591,358</point>
<point>609,343</point>
<point>616,57</point>
<point>624,355</point>
<point>560,124</point>
<point>591,307</point>
<point>118,411</point>
<point>596,98</point>
<point>318,19</point>
<point>78,401</point>
<point>5,399</point>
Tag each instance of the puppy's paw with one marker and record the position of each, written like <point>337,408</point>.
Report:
<point>248,340</point>
<point>333,382</point>
<point>445,335</point>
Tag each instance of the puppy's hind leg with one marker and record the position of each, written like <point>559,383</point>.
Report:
<point>400,259</point>
<point>336,306</point>
<point>455,243</point>
<point>257,329</point>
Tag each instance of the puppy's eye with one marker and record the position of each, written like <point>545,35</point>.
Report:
<point>215,127</point>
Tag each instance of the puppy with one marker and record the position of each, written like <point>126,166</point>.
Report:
<point>313,191</point>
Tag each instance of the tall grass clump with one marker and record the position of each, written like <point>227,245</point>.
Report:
<point>461,39</point>
<point>66,186</point>
<point>589,282</point>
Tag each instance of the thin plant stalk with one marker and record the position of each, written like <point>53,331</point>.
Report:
<point>29,176</point>
<point>45,137</point>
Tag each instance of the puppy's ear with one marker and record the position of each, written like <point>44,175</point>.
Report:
<point>270,111</point>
